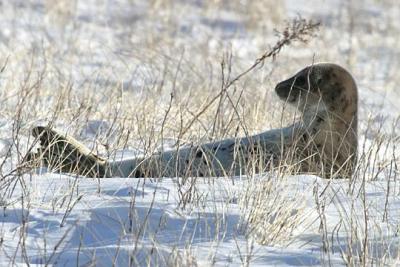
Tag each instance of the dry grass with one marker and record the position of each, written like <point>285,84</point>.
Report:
<point>160,88</point>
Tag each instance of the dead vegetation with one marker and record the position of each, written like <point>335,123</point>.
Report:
<point>159,90</point>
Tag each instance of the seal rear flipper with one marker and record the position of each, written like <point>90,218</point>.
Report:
<point>62,152</point>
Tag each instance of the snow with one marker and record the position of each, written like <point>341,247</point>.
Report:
<point>111,221</point>
<point>267,220</point>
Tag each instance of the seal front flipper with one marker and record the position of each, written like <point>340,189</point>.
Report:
<point>61,152</point>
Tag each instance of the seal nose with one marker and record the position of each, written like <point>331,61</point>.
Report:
<point>280,89</point>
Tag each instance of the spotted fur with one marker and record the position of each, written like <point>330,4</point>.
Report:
<point>329,101</point>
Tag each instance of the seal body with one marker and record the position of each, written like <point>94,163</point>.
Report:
<point>235,156</point>
<point>323,142</point>
<point>227,157</point>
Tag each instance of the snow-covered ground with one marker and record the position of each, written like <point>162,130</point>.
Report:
<point>133,221</point>
<point>104,71</point>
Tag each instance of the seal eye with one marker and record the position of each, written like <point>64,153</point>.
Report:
<point>300,81</point>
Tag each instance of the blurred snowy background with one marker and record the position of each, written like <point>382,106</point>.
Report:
<point>105,71</point>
